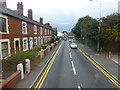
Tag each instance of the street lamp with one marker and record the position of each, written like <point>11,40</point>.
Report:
<point>99,27</point>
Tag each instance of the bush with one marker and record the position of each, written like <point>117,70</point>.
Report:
<point>37,48</point>
<point>44,46</point>
<point>56,39</point>
<point>53,38</point>
<point>11,62</point>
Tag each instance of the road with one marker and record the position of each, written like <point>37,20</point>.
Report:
<point>71,69</point>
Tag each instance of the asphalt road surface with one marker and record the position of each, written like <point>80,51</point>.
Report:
<point>71,69</point>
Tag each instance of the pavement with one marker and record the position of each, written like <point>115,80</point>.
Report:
<point>102,60</point>
<point>110,64</point>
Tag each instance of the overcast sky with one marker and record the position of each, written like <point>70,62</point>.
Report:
<point>64,14</point>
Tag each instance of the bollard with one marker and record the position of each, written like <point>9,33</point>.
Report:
<point>109,55</point>
<point>27,65</point>
<point>56,42</point>
<point>20,67</point>
<point>42,53</point>
<point>52,45</point>
<point>48,48</point>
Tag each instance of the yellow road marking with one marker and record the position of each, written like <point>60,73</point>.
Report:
<point>117,83</point>
<point>42,78</point>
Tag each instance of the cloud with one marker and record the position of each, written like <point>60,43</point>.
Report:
<point>64,23</point>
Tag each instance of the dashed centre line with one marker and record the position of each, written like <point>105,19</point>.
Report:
<point>73,67</point>
<point>70,55</point>
<point>69,49</point>
<point>79,88</point>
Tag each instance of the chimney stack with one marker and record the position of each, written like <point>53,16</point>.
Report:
<point>30,13</point>
<point>41,20</point>
<point>20,8</point>
<point>3,4</point>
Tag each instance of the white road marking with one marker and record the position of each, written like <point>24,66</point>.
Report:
<point>79,88</point>
<point>70,55</point>
<point>73,67</point>
<point>69,49</point>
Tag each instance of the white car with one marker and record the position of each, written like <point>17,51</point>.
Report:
<point>73,45</point>
<point>70,40</point>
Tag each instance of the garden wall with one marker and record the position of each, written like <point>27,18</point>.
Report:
<point>11,81</point>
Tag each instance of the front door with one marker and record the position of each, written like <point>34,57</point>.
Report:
<point>17,45</point>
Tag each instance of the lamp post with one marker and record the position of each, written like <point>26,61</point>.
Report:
<point>99,27</point>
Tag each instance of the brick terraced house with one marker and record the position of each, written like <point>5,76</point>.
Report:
<point>18,32</point>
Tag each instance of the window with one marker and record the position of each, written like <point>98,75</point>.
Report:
<point>35,29</point>
<point>35,40</point>
<point>4,48</point>
<point>25,44</point>
<point>5,52</point>
<point>41,30</point>
<point>3,25</point>
<point>24,27</point>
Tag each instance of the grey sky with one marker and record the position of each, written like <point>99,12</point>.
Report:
<point>64,14</point>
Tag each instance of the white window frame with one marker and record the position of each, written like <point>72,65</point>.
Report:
<point>16,39</point>
<point>26,44</point>
<point>7,31</point>
<point>41,31</point>
<point>42,40</point>
<point>30,43</point>
<point>25,27</point>
<point>39,40</point>
<point>1,41</point>
<point>35,29</point>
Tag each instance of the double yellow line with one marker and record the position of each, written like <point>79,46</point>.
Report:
<point>117,83</point>
<point>42,78</point>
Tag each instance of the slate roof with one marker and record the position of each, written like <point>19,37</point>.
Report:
<point>12,13</point>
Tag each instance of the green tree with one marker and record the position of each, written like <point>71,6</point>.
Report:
<point>109,28</point>
<point>77,29</point>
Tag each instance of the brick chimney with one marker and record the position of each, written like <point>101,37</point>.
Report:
<point>30,13</point>
<point>41,20</point>
<point>20,8</point>
<point>3,4</point>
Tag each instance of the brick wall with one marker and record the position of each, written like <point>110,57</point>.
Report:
<point>35,61</point>
<point>11,81</point>
<point>45,51</point>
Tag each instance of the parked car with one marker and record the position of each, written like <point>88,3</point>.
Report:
<point>73,45</point>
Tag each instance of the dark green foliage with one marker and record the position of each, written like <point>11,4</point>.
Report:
<point>86,30</point>
<point>109,28</point>
<point>11,62</point>
<point>53,39</point>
